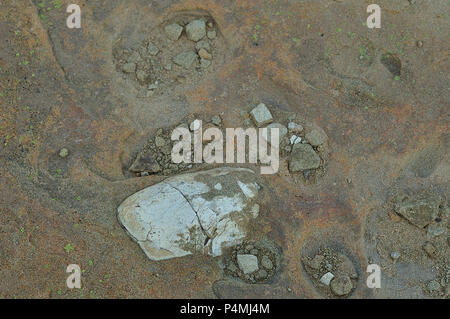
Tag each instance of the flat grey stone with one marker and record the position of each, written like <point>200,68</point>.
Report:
<point>266,262</point>
<point>145,162</point>
<point>185,214</point>
<point>173,31</point>
<point>303,157</point>
<point>326,279</point>
<point>261,115</point>
<point>247,263</point>
<point>419,211</point>
<point>196,30</point>
<point>185,59</point>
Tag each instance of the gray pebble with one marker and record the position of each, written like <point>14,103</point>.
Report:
<point>395,255</point>
<point>173,31</point>
<point>64,152</point>
<point>196,30</point>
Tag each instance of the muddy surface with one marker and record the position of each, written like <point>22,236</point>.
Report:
<point>85,117</point>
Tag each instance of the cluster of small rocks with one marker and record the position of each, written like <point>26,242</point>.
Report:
<point>160,62</point>
<point>333,273</point>
<point>198,32</point>
<point>429,212</point>
<point>251,263</point>
<point>302,146</point>
<point>155,157</point>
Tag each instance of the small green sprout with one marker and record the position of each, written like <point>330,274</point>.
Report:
<point>68,248</point>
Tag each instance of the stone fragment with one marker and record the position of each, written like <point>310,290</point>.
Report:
<point>261,274</point>
<point>316,262</point>
<point>247,263</point>
<point>173,31</point>
<point>341,285</point>
<point>419,210</point>
<point>204,54</point>
<point>196,30</point>
<point>64,152</point>
<point>326,279</point>
<point>266,262</point>
<point>303,157</point>
<point>185,59</point>
<point>185,215</point>
<point>145,162</point>
<point>295,139</point>
<point>261,115</point>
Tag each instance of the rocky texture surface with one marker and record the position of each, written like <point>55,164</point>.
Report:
<point>332,272</point>
<point>168,58</point>
<point>186,214</point>
<point>253,262</point>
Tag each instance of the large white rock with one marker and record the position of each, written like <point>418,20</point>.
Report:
<point>189,214</point>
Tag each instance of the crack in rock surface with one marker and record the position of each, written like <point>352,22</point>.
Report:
<point>189,214</point>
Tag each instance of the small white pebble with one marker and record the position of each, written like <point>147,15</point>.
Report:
<point>64,152</point>
<point>292,139</point>
<point>326,279</point>
<point>395,255</point>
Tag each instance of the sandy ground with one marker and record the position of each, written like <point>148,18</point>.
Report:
<point>60,87</point>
